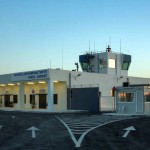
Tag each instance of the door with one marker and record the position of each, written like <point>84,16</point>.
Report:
<point>42,101</point>
<point>7,101</point>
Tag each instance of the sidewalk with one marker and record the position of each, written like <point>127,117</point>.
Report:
<point>43,110</point>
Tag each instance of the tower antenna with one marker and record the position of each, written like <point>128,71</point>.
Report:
<point>62,57</point>
<point>94,46</point>
<point>110,41</point>
<point>89,46</point>
<point>50,63</point>
<point>120,45</point>
<point>106,44</point>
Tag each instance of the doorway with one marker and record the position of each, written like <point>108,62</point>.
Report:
<point>42,101</point>
<point>7,101</point>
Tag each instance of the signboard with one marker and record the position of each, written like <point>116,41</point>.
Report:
<point>30,75</point>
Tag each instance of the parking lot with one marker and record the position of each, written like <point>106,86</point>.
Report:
<point>84,131</point>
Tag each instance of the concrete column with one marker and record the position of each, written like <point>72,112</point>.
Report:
<point>11,98</point>
<point>50,95</point>
<point>21,95</point>
<point>3,101</point>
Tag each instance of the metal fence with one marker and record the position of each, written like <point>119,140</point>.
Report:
<point>107,103</point>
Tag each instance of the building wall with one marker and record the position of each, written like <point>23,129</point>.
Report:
<point>139,80</point>
<point>105,83</point>
<point>6,78</point>
<point>147,107</point>
<point>9,90</point>
<point>102,56</point>
<point>60,88</point>
<point>28,91</point>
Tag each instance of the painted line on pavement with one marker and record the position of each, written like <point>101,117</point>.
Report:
<point>79,141</point>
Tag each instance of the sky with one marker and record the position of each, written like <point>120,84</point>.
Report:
<point>39,34</point>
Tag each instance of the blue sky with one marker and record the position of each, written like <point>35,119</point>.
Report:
<point>33,32</point>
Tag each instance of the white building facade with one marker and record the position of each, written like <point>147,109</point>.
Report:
<point>48,89</point>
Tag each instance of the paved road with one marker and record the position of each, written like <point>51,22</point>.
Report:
<point>79,126</point>
<point>72,132</point>
<point>110,136</point>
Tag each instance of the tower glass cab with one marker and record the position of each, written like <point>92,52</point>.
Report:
<point>107,62</point>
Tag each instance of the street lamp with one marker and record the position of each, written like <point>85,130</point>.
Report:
<point>78,75</point>
<point>118,78</point>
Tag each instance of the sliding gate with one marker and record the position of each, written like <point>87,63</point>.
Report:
<point>83,99</point>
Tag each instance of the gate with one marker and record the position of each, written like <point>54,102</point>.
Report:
<point>83,99</point>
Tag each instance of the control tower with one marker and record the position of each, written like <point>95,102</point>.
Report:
<point>107,62</point>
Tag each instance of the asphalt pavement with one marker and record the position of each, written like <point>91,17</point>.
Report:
<point>81,131</point>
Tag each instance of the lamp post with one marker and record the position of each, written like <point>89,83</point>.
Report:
<point>70,90</point>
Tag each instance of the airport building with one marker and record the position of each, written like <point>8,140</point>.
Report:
<point>103,85</point>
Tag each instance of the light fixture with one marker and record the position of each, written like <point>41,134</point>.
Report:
<point>11,84</point>
<point>42,82</point>
<point>55,81</point>
<point>18,83</point>
<point>30,82</point>
<point>78,75</point>
<point>2,85</point>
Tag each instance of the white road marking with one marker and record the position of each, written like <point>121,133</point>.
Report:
<point>72,132</point>
<point>13,117</point>
<point>131,128</point>
<point>79,127</point>
<point>33,129</point>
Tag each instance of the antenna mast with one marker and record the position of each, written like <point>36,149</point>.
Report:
<point>120,45</point>
<point>50,63</point>
<point>62,57</point>
<point>89,46</point>
<point>110,41</point>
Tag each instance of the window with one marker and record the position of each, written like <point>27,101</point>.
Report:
<point>32,99</point>
<point>126,97</point>
<point>85,61</point>
<point>126,60</point>
<point>102,63</point>
<point>85,66</point>
<point>55,98</point>
<point>125,65</point>
<point>112,63</point>
<point>15,98</point>
<point>147,96</point>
